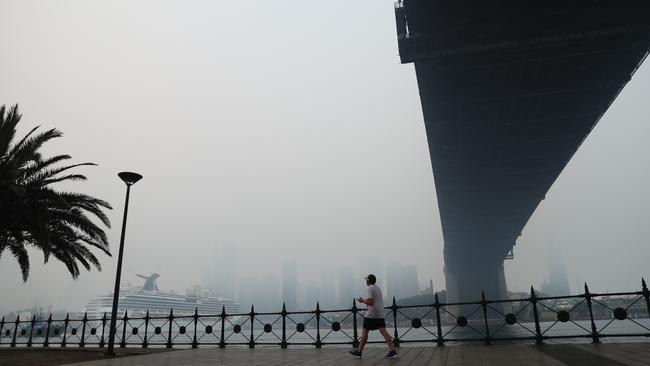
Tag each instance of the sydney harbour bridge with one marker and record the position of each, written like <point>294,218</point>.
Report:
<point>509,90</point>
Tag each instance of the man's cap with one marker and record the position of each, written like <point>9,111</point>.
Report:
<point>371,278</point>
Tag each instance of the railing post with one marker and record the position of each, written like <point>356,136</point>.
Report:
<point>594,331</point>
<point>538,329</point>
<point>318,342</point>
<point>101,339</point>
<point>436,304</point>
<point>46,343</point>
<point>251,342</point>
<point>125,320</point>
<point>196,321</point>
<point>169,330</point>
<point>222,341</point>
<point>2,325</point>
<point>13,341</point>
<point>65,329</point>
<point>145,342</point>
<point>396,335</point>
<point>31,331</point>
<point>283,344</point>
<point>82,342</point>
<point>355,334</point>
<point>488,339</point>
<point>646,295</point>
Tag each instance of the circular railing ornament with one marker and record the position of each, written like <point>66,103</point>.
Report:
<point>268,328</point>
<point>39,331</point>
<point>461,321</point>
<point>620,314</point>
<point>23,332</point>
<point>93,331</point>
<point>416,323</point>
<point>300,327</point>
<point>134,331</point>
<point>158,330</point>
<point>208,329</point>
<point>237,328</point>
<point>181,330</point>
<point>336,326</point>
<point>511,319</point>
<point>563,316</point>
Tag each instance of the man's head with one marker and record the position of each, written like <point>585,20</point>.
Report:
<point>371,279</point>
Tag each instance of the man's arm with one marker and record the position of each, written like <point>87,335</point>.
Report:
<point>369,301</point>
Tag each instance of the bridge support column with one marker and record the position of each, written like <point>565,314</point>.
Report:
<point>466,280</point>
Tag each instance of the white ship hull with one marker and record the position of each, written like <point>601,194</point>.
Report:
<point>136,302</point>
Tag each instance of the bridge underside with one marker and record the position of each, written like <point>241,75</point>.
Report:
<point>509,91</point>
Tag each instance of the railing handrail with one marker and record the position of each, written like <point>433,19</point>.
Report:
<point>169,328</point>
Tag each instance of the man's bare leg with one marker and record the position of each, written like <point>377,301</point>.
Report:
<point>387,338</point>
<point>363,339</point>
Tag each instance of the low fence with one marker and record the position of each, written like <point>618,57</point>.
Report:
<point>588,316</point>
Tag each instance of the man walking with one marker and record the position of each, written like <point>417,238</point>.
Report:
<point>374,319</point>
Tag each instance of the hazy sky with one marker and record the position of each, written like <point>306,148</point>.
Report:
<point>286,130</point>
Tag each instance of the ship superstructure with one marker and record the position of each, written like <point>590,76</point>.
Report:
<point>137,300</point>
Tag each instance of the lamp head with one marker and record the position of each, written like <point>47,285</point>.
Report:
<point>129,177</point>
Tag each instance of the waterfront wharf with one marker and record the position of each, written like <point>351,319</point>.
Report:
<point>609,354</point>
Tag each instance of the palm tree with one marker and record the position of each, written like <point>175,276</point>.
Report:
<point>34,214</point>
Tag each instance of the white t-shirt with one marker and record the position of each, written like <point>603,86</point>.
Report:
<point>376,310</point>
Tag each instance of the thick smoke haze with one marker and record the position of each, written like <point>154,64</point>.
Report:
<point>270,132</point>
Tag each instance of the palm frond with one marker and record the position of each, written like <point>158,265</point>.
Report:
<point>42,176</point>
<point>8,122</point>
<point>33,213</point>
<point>20,253</point>
<point>25,151</point>
<point>39,165</point>
<point>88,203</point>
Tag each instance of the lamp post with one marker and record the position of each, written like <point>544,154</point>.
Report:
<point>129,178</point>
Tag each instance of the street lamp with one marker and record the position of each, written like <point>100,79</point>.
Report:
<point>130,179</point>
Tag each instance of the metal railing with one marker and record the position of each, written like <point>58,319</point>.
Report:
<point>588,316</point>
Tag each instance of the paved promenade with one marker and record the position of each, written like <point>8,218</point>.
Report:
<point>461,355</point>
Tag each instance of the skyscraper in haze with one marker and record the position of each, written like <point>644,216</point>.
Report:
<point>346,287</point>
<point>328,298</point>
<point>263,292</point>
<point>558,282</point>
<point>290,284</point>
<point>220,272</point>
<point>402,281</point>
<point>309,296</point>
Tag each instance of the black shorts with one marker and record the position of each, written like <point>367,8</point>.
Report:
<point>374,323</point>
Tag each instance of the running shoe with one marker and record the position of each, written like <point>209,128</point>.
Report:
<point>391,354</point>
<point>355,354</point>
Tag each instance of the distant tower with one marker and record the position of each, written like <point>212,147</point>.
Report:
<point>311,294</point>
<point>346,286</point>
<point>558,281</point>
<point>409,281</point>
<point>393,282</point>
<point>327,289</point>
<point>402,281</point>
<point>220,272</point>
<point>290,284</point>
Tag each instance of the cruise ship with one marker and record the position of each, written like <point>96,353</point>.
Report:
<point>137,300</point>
